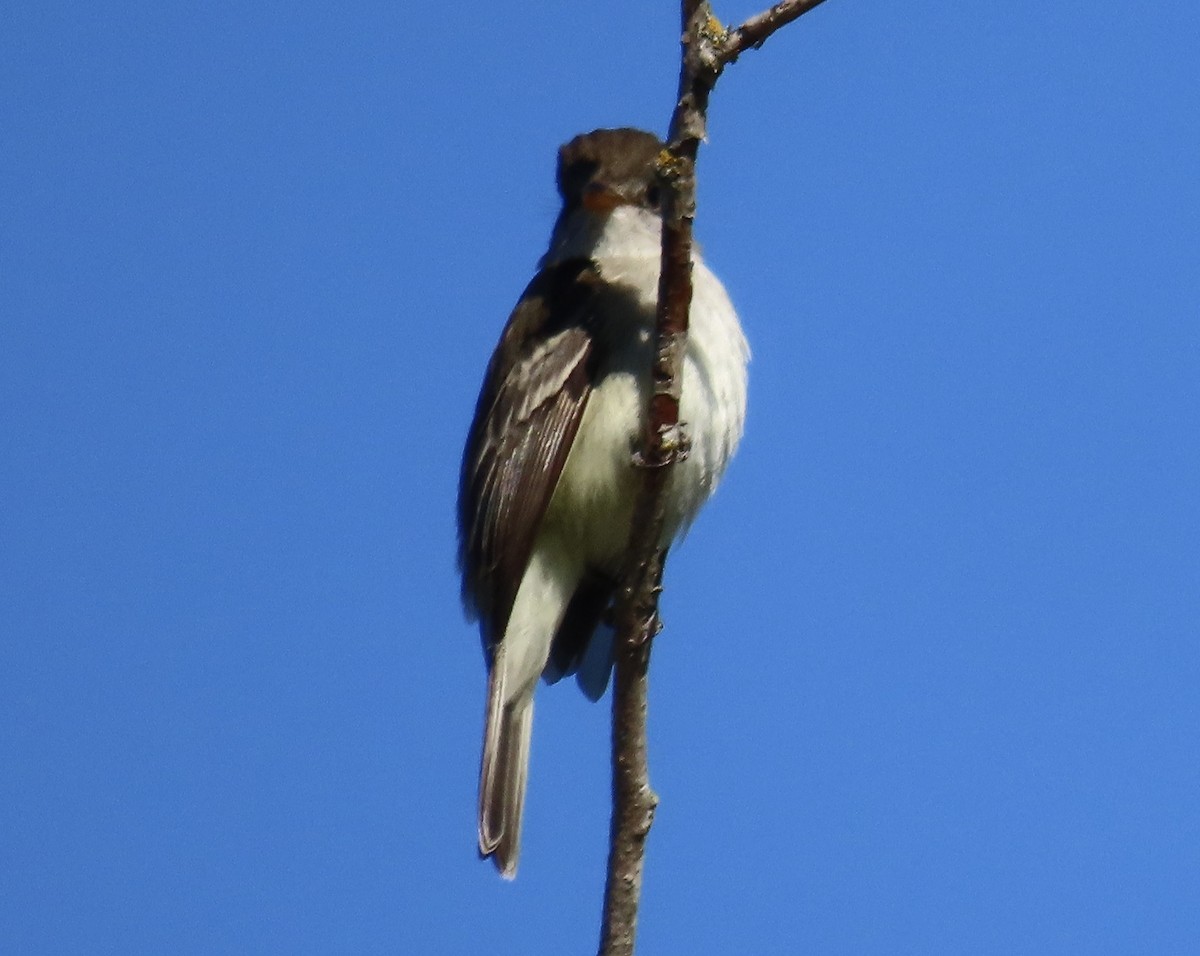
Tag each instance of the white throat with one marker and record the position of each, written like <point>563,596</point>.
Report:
<point>626,232</point>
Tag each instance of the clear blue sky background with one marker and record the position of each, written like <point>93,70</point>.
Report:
<point>931,675</point>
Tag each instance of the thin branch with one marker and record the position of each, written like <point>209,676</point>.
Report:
<point>756,31</point>
<point>634,801</point>
<point>707,48</point>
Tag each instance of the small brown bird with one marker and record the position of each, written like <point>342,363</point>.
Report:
<point>548,483</point>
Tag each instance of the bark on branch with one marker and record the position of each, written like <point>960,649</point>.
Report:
<point>707,48</point>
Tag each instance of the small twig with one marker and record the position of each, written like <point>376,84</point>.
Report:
<point>755,31</point>
<point>707,48</point>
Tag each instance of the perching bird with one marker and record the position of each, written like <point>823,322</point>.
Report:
<point>548,481</point>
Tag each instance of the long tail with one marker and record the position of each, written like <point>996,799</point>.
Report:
<point>503,772</point>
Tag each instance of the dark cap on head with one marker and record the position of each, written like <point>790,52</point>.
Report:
<point>610,167</point>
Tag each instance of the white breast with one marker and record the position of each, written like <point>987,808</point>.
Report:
<point>593,500</point>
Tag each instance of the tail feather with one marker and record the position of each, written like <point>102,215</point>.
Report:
<point>502,774</point>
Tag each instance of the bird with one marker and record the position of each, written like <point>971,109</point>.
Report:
<point>548,480</point>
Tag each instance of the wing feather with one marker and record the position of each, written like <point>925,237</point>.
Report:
<point>533,399</point>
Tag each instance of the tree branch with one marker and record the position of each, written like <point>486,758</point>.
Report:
<point>634,801</point>
<point>758,29</point>
<point>707,48</point>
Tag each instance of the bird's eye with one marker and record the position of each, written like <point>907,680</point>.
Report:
<point>652,195</point>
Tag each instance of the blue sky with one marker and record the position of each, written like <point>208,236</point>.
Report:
<point>929,679</point>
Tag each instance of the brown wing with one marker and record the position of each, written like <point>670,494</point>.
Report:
<point>529,409</point>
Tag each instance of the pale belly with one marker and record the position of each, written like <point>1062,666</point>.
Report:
<point>593,503</point>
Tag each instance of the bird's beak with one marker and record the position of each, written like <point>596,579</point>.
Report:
<point>601,200</point>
